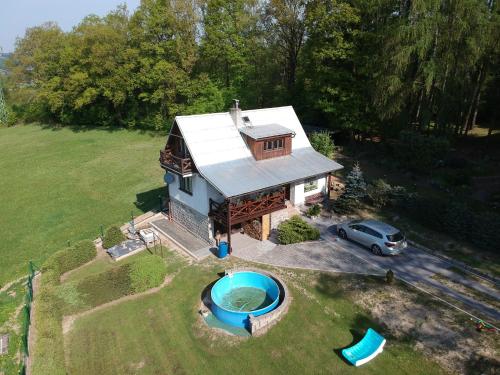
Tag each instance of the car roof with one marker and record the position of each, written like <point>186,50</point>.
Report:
<point>380,226</point>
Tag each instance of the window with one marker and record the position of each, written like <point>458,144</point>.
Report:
<point>275,144</point>
<point>186,184</point>
<point>310,184</point>
<point>372,232</point>
<point>395,237</point>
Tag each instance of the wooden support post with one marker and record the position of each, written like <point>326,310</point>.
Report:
<point>229,226</point>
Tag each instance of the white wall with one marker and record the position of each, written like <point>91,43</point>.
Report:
<point>297,194</point>
<point>202,191</point>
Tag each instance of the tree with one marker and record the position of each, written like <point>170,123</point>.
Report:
<point>354,191</point>
<point>323,143</point>
<point>285,22</point>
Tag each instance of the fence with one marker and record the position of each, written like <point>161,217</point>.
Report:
<point>26,318</point>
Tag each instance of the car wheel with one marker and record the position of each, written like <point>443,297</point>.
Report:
<point>376,250</point>
<point>342,234</point>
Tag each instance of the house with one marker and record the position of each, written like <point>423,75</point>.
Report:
<point>226,169</point>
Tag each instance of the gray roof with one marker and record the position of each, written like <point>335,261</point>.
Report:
<point>223,158</point>
<point>237,177</point>
<point>264,131</point>
<point>381,226</point>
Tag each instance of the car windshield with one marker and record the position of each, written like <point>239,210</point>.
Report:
<point>395,237</point>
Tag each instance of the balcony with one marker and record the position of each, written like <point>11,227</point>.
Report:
<point>247,208</point>
<point>176,164</point>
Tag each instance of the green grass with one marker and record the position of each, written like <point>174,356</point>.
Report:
<point>103,281</point>
<point>60,185</point>
<point>162,333</point>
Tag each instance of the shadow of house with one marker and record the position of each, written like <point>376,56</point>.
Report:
<point>150,200</point>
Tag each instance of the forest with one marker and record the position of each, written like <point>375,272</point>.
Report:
<point>362,66</point>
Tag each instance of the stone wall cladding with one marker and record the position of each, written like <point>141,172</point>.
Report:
<point>261,324</point>
<point>195,222</point>
<point>277,217</point>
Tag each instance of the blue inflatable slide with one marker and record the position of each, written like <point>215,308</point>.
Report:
<point>364,351</point>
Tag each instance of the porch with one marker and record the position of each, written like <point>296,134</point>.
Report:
<point>248,208</point>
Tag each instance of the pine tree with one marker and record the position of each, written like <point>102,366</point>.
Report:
<point>354,191</point>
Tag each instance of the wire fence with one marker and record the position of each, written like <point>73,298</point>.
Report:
<point>26,319</point>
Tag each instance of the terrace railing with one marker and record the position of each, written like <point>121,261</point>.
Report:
<point>174,163</point>
<point>247,209</point>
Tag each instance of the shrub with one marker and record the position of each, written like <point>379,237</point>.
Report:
<point>296,230</point>
<point>322,143</point>
<point>113,237</point>
<point>419,152</point>
<point>72,257</point>
<point>381,193</point>
<point>389,277</point>
<point>146,273</point>
<point>314,210</point>
<point>354,191</point>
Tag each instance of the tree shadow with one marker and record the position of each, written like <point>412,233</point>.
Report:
<point>150,200</point>
<point>328,285</point>
<point>82,128</point>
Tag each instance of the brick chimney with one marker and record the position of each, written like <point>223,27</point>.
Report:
<point>235,112</point>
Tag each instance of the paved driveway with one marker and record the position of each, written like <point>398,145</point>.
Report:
<point>418,266</point>
<point>333,254</point>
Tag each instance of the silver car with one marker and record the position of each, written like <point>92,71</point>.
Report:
<point>381,238</point>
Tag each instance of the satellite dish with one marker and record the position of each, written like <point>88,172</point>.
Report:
<point>168,178</point>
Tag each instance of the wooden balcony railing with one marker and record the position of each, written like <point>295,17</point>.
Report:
<point>247,209</point>
<point>175,163</point>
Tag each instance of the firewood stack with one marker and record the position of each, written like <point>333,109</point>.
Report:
<point>253,229</point>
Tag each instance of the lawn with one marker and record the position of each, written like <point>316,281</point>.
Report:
<point>162,334</point>
<point>59,185</point>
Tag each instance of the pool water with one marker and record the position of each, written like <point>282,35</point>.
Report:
<point>245,298</point>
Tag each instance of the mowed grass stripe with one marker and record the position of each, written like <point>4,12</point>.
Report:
<point>60,185</point>
<point>162,331</point>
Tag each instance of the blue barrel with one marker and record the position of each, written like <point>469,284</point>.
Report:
<point>223,248</point>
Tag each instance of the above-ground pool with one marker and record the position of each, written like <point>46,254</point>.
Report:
<point>237,295</point>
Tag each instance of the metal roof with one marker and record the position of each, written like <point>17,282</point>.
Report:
<point>265,131</point>
<point>237,177</point>
<point>222,157</point>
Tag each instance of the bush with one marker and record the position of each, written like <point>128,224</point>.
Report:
<point>419,152</point>
<point>113,237</point>
<point>314,210</point>
<point>380,193</point>
<point>72,257</point>
<point>322,143</point>
<point>296,230</point>
<point>148,272</point>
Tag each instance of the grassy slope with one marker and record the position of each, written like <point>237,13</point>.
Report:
<point>160,334</point>
<point>59,185</point>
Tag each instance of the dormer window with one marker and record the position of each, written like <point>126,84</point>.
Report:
<point>268,141</point>
<point>274,144</point>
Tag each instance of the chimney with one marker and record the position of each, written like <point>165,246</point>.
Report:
<point>235,113</point>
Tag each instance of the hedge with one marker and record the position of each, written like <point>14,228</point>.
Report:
<point>296,230</point>
<point>72,257</point>
<point>48,352</point>
<point>113,236</point>
<point>147,272</point>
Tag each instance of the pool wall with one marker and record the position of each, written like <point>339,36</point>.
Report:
<point>237,280</point>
